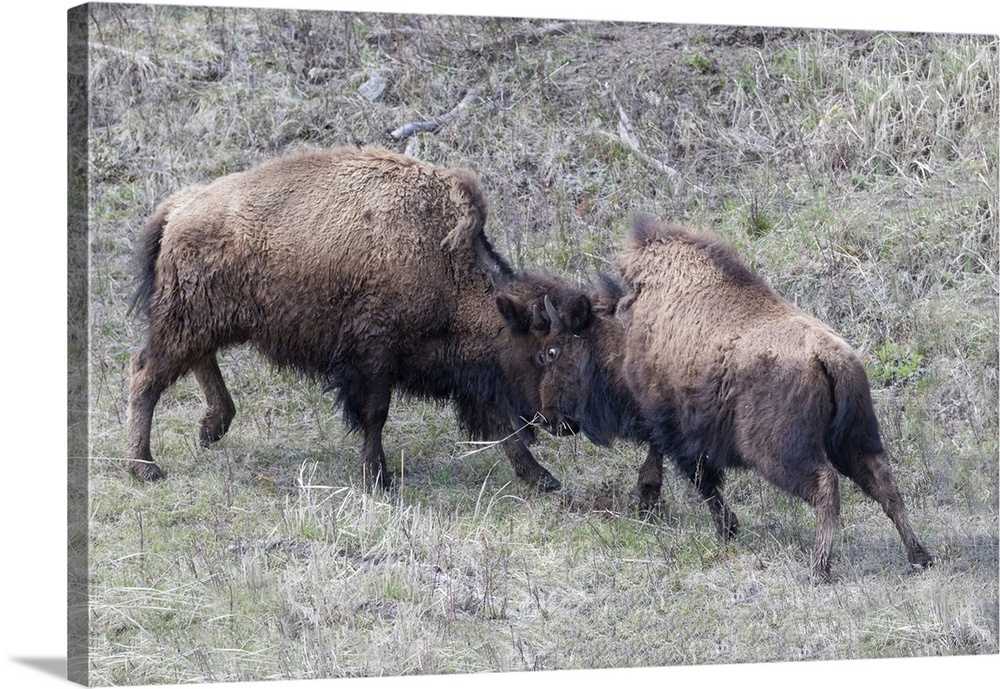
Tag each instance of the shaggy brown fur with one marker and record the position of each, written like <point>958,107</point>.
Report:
<point>364,268</point>
<point>702,359</point>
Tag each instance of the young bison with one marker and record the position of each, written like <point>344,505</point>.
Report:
<point>704,361</point>
<point>363,268</point>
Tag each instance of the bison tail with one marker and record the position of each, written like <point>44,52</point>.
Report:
<point>853,433</point>
<point>147,252</point>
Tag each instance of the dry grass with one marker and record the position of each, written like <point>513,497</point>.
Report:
<point>857,172</point>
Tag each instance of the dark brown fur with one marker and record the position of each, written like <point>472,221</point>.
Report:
<point>703,360</point>
<point>363,268</point>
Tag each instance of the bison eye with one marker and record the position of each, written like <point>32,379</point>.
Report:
<point>551,354</point>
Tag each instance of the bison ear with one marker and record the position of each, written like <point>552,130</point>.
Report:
<point>515,315</point>
<point>578,313</point>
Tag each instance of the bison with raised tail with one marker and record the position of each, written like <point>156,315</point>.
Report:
<point>700,358</point>
<point>365,269</point>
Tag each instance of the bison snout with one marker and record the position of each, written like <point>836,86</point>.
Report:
<point>557,424</point>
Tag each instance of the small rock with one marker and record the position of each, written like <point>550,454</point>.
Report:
<point>375,86</point>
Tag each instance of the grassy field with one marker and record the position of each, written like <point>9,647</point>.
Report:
<point>855,171</point>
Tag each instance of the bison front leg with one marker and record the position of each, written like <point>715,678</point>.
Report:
<point>647,490</point>
<point>526,466</point>
<point>709,481</point>
<point>484,421</point>
<point>373,414</point>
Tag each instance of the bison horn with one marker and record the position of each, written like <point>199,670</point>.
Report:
<point>538,321</point>
<point>553,314</point>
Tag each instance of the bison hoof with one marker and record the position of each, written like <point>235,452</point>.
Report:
<point>646,496</point>
<point>382,482</point>
<point>212,430</point>
<point>146,471</point>
<point>731,529</point>
<point>208,435</point>
<point>547,483</point>
<point>726,525</point>
<point>921,559</point>
<point>821,575</point>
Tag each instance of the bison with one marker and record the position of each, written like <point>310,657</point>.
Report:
<point>700,358</point>
<point>362,268</point>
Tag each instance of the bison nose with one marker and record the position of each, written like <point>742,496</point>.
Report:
<point>549,420</point>
<point>557,424</point>
<point>570,427</point>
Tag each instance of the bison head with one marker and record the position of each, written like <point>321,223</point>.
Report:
<point>550,327</point>
<point>574,344</point>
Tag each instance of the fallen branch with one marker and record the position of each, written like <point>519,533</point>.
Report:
<point>627,137</point>
<point>435,123</point>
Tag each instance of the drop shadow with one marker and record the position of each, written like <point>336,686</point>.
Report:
<point>50,666</point>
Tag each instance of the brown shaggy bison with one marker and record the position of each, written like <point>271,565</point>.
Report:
<point>363,268</point>
<point>703,360</point>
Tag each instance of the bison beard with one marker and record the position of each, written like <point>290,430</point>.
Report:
<point>362,268</point>
<point>698,357</point>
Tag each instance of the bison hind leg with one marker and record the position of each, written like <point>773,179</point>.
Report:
<point>874,477</point>
<point>821,490</point>
<point>808,475</point>
<point>152,373</point>
<point>219,407</point>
